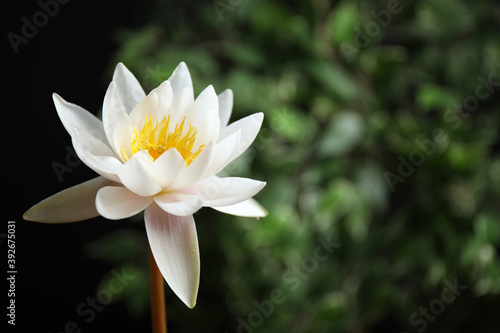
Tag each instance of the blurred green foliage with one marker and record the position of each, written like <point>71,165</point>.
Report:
<point>380,135</point>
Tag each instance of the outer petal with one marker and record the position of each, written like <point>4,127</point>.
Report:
<point>249,127</point>
<point>134,174</point>
<point>179,204</point>
<point>76,118</point>
<point>247,208</point>
<point>73,204</point>
<point>128,88</point>
<point>117,202</point>
<point>216,191</point>
<point>174,244</point>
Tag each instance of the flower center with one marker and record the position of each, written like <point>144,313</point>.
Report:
<point>156,139</point>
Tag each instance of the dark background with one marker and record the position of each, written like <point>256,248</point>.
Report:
<point>69,55</point>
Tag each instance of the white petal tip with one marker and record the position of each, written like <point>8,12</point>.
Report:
<point>247,208</point>
<point>121,66</point>
<point>57,98</point>
<point>191,304</point>
<point>32,216</point>
<point>73,204</point>
<point>188,300</point>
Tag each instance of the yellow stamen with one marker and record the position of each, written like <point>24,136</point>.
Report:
<point>155,138</point>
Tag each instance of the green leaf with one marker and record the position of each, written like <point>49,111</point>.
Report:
<point>342,21</point>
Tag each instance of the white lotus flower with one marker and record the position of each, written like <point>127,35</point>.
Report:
<point>159,153</point>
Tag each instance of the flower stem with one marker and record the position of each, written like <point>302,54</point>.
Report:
<point>159,314</point>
